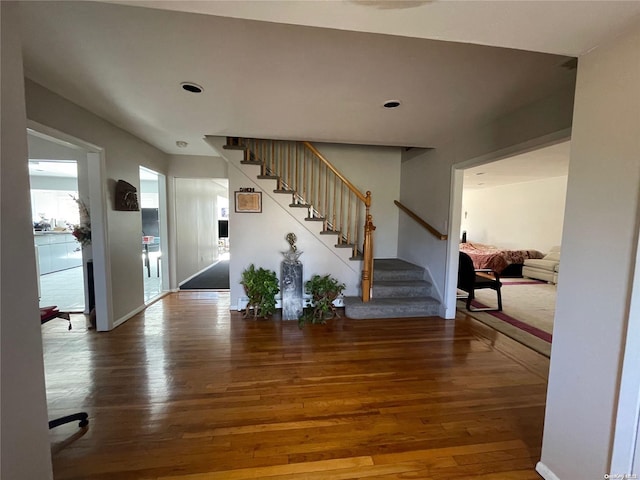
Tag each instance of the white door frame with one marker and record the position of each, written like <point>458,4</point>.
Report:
<point>98,209</point>
<point>164,230</point>
<point>455,202</point>
<point>625,456</point>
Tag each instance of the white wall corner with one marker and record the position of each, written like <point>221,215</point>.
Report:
<point>545,472</point>
<point>443,311</point>
<point>126,317</point>
<point>435,291</point>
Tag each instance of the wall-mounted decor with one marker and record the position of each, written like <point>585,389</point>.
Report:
<point>126,197</point>
<point>248,201</point>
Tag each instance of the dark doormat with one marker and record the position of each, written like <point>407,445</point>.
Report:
<point>215,277</point>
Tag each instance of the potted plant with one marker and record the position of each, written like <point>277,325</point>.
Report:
<point>323,290</point>
<point>261,287</point>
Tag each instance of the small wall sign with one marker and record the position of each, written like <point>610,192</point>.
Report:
<point>248,201</point>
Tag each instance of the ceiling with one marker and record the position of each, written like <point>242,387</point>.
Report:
<point>562,27</point>
<point>313,70</point>
<point>53,168</point>
<point>547,162</point>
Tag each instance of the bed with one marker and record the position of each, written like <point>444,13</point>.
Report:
<point>507,263</point>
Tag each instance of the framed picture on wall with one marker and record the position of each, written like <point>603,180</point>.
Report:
<point>248,201</point>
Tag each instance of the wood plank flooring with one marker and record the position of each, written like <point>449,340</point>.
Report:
<point>188,390</point>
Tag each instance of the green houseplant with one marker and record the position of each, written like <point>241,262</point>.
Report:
<point>261,286</point>
<point>323,290</point>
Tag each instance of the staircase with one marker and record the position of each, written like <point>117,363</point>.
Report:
<point>399,291</point>
<point>314,186</point>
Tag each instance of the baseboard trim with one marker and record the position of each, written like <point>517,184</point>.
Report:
<point>160,296</point>
<point>126,317</point>
<point>306,302</point>
<point>545,472</point>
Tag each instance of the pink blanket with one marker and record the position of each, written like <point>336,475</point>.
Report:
<point>488,256</point>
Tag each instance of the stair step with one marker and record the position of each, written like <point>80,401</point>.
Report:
<point>299,205</point>
<point>290,192</point>
<point>391,307</point>
<point>344,245</point>
<point>251,162</point>
<point>234,147</point>
<point>401,288</point>
<point>385,269</point>
<point>268,177</point>
<point>330,232</point>
<point>314,219</point>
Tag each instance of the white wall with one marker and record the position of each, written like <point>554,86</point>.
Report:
<point>376,169</point>
<point>197,166</point>
<point>525,215</point>
<point>600,235</point>
<point>24,438</point>
<point>40,182</point>
<point>45,149</point>
<point>259,238</point>
<point>124,153</point>
<point>196,224</point>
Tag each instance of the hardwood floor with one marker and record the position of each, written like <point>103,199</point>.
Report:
<point>188,390</point>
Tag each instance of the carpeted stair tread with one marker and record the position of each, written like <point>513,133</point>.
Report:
<point>401,288</point>
<point>385,269</point>
<point>399,307</point>
<point>399,291</point>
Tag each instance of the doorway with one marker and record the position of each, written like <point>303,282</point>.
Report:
<point>202,259</point>
<point>58,211</point>
<point>506,209</point>
<point>44,140</point>
<point>222,206</point>
<point>153,241</point>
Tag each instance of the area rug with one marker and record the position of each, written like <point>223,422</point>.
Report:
<point>528,312</point>
<point>216,277</point>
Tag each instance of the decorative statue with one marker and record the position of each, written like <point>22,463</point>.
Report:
<point>291,238</point>
<point>292,255</point>
<point>291,278</point>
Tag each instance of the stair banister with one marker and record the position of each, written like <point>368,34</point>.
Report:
<point>367,268</point>
<point>350,185</point>
<point>421,222</point>
<point>367,245</point>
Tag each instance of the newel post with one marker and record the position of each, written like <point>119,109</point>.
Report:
<point>367,252</point>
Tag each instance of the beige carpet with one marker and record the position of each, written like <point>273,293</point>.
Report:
<point>532,304</point>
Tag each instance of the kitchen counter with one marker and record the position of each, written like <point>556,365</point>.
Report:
<point>57,250</point>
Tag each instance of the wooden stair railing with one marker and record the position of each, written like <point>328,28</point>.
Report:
<point>421,222</point>
<point>315,184</point>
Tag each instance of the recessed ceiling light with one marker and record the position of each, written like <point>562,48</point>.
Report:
<point>181,144</point>
<point>391,104</point>
<point>191,87</point>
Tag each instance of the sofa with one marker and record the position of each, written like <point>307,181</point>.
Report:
<point>545,269</point>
